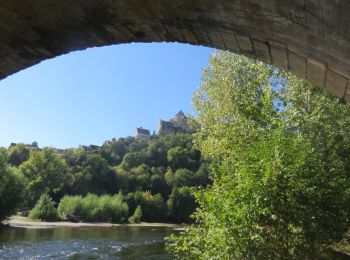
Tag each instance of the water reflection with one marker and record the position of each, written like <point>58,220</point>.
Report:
<point>84,243</point>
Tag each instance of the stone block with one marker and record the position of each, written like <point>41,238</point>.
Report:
<point>174,33</point>
<point>215,38</point>
<point>245,45</point>
<point>230,41</point>
<point>279,55</point>
<point>316,72</point>
<point>297,64</point>
<point>336,84</point>
<point>200,33</point>
<point>189,36</point>
<point>262,51</point>
<point>144,33</point>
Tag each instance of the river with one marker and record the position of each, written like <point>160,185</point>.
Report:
<point>84,243</point>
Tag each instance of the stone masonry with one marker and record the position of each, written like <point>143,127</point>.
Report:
<point>308,37</point>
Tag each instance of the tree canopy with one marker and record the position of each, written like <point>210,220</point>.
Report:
<point>134,168</point>
<point>280,152</point>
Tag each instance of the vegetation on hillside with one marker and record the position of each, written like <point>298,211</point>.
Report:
<point>154,174</point>
<point>281,156</point>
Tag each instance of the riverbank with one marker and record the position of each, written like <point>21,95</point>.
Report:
<point>23,222</point>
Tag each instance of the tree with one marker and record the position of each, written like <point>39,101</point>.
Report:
<point>45,172</point>
<point>183,177</point>
<point>132,160</point>
<point>178,157</point>
<point>136,217</point>
<point>101,176</point>
<point>181,204</point>
<point>18,154</point>
<point>153,206</point>
<point>11,188</point>
<point>280,149</point>
<point>44,209</point>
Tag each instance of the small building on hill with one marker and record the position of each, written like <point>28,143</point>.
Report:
<point>142,134</point>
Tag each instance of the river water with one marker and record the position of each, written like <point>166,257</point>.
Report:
<point>84,243</point>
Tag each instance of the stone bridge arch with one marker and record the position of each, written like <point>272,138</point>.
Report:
<point>308,37</point>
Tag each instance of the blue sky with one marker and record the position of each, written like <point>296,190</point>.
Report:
<point>90,96</point>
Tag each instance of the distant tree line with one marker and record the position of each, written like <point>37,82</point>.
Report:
<point>153,178</point>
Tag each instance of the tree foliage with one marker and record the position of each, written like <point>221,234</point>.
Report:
<point>94,208</point>
<point>136,217</point>
<point>45,173</point>
<point>44,209</point>
<point>11,188</point>
<point>280,148</point>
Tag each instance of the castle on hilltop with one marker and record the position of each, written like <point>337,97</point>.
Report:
<point>177,124</point>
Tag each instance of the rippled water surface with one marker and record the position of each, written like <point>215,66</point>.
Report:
<point>84,243</point>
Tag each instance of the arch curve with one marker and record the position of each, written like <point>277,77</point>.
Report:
<point>308,37</point>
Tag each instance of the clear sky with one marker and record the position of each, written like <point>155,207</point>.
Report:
<point>90,96</point>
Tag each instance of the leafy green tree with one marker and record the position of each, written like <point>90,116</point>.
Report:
<point>11,188</point>
<point>153,206</point>
<point>158,183</point>
<point>101,176</point>
<point>202,175</point>
<point>181,204</point>
<point>178,157</point>
<point>136,217</point>
<point>18,154</point>
<point>183,177</point>
<point>280,149</point>
<point>142,175</point>
<point>114,151</point>
<point>169,178</point>
<point>132,160</point>
<point>124,180</point>
<point>45,173</point>
<point>156,153</point>
<point>44,209</point>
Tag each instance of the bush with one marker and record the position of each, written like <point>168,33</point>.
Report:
<point>136,218</point>
<point>70,208</point>
<point>44,209</point>
<point>93,208</point>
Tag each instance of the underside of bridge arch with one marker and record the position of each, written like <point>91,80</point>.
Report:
<point>308,37</point>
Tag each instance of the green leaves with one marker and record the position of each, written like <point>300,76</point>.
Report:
<point>45,172</point>
<point>44,209</point>
<point>11,188</point>
<point>281,182</point>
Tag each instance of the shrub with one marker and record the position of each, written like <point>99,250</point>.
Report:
<point>136,218</point>
<point>70,208</point>
<point>93,208</point>
<point>44,209</point>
